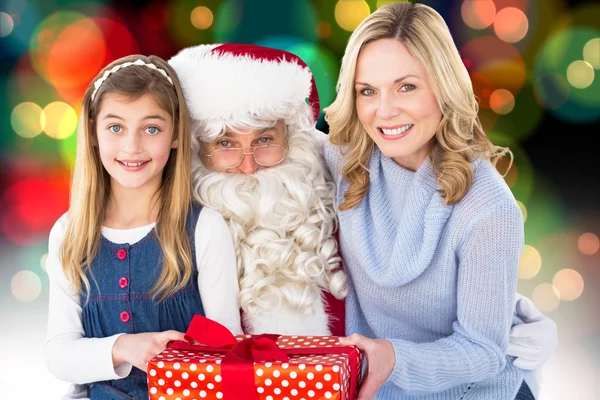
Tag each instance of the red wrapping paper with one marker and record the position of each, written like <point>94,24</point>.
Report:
<point>264,367</point>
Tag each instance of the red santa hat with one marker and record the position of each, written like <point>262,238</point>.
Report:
<point>228,81</point>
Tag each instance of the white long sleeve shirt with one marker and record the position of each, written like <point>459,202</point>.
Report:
<point>72,357</point>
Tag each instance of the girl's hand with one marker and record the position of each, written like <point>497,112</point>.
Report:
<point>381,359</point>
<point>137,349</point>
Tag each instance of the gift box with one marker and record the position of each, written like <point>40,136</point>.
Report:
<point>214,364</point>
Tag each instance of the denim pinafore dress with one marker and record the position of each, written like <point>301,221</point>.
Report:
<point>120,301</point>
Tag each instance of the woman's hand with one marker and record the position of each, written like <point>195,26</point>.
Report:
<point>139,348</point>
<point>381,359</point>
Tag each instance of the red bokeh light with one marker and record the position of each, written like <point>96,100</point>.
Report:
<point>119,41</point>
<point>30,207</point>
<point>483,87</point>
<point>76,55</point>
<point>498,62</point>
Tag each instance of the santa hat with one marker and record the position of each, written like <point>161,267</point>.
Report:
<point>228,81</point>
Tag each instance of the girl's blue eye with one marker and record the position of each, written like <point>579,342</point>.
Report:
<point>367,92</point>
<point>407,88</point>
<point>152,130</point>
<point>115,128</point>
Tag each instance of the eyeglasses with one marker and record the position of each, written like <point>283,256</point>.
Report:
<point>265,156</point>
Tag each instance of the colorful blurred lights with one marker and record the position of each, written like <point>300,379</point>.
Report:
<point>350,13</point>
<point>43,261</point>
<point>580,74</point>
<point>502,101</point>
<point>478,14</point>
<point>46,37</point>
<point>546,297</point>
<point>588,244</point>
<point>26,286</point>
<point>511,24</point>
<point>569,284</point>
<point>28,120</point>
<point>552,90</point>
<point>323,30</point>
<point>61,120</point>
<point>530,262</point>
<point>76,55</point>
<point>6,24</point>
<point>591,53</point>
<point>201,17</point>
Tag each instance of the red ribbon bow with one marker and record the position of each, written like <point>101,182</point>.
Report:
<point>237,368</point>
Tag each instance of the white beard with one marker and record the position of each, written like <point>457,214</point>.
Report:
<point>282,221</point>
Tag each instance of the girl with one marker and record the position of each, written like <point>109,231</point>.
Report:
<point>430,233</point>
<point>135,257</point>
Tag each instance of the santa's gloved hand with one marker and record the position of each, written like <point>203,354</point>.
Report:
<point>532,342</point>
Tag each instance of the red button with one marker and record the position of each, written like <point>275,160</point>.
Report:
<point>124,316</point>
<point>123,282</point>
<point>121,254</point>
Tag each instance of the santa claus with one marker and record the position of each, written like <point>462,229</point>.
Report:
<point>254,111</point>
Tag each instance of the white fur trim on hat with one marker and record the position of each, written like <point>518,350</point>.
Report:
<point>227,87</point>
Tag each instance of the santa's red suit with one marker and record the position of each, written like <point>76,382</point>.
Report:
<point>282,218</point>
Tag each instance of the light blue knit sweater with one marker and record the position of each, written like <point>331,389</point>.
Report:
<point>437,281</point>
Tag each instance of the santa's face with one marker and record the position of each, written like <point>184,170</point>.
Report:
<point>282,221</point>
<point>246,151</point>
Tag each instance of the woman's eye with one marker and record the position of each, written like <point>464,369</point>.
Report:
<point>367,92</point>
<point>223,143</point>
<point>115,128</point>
<point>264,140</point>
<point>407,88</point>
<point>152,130</point>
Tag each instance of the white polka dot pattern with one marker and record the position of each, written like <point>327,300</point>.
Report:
<point>189,374</point>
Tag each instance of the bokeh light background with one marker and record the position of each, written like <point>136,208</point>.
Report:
<point>535,66</point>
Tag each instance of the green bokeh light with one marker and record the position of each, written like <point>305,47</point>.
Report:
<point>25,16</point>
<point>182,30</point>
<point>321,62</point>
<point>286,18</point>
<point>523,119</point>
<point>227,21</point>
<point>324,67</point>
<point>8,137</point>
<point>68,150</point>
<point>27,120</point>
<point>582,106</point>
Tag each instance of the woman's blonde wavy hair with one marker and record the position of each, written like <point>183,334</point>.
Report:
<point>90,185</point>
<point>459,138</point>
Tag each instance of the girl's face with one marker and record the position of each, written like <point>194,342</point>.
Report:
<point>135,138</point>
<point>395,102</point>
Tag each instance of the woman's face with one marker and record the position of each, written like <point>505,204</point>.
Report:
<point>395,102</point>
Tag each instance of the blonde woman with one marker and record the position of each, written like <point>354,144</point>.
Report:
<point>135,257</point>
<point>430,233</point>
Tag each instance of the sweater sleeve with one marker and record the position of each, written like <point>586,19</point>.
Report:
<point>69,355</point>
<point>488,261</point>
<point>217,270</point>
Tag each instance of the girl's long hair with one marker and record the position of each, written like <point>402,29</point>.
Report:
<point>90,186</point>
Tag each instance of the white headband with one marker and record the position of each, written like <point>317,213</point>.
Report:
<point>99,82</point>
